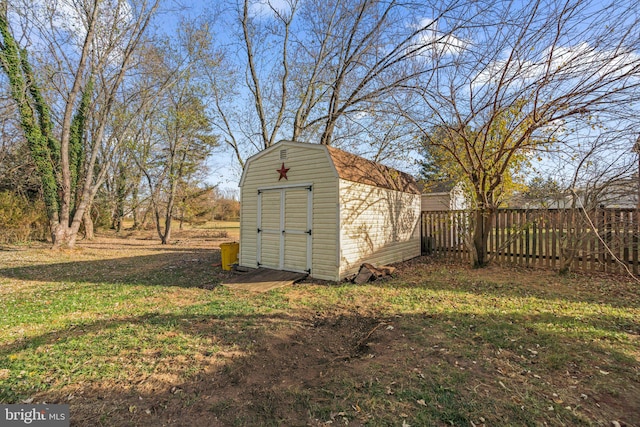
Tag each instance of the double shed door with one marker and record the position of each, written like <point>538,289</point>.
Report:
<point>284,228</point>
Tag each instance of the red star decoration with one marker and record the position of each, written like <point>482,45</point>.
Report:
<point>283,172</point>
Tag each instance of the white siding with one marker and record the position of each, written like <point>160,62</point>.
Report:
<point>377,225</point>
<point>308,164</point>
<point>458,199</point>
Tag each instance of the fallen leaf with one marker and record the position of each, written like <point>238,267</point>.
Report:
<point>421,402</point>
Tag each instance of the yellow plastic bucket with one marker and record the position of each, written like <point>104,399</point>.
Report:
<point>229,253</point>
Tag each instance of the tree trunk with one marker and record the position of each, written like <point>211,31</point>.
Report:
<point>88,225</point>
<point>60,235</point>
<point>167,230</point>
<point>134,203</point>
<point>168,218</point>
<point>483,221</point>
<point>142,224</point>
<point>117,218</point>
<point>156,213</point>
<point>65,235</point>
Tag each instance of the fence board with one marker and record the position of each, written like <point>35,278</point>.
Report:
<point>607,240</point>
<point>583,231</point>
<point>554,239</point>
<point>635,227</point>
<point>499,250</point>
<point>534,242</point>
<point>592,245</point>
<point>624,247</point>
<point>521,257</point>
<point>547,241</point>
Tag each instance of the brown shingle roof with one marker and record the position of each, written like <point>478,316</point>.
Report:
<point>358,169</point>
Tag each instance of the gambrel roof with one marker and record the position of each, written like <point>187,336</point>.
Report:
<point>351,167</point>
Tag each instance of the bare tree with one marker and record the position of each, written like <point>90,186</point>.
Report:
<point>323,70</point>
<point>175,134</point>
<point>83,51</point>
<point>526,78</point>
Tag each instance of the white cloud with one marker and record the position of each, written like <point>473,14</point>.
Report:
<point>265,8</point>
<point>583,58</point>
<point>433,42</point>
<point>67,17</point>
<point>581,61</point>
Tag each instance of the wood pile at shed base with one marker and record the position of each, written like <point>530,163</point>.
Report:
<point>369,273</point>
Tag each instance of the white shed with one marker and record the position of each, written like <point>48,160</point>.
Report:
<point>317,209</point>
<point>443,196</point>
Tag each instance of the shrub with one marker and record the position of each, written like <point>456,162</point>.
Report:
<point>21,219</point>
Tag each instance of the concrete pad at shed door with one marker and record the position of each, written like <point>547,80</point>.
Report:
<point>263,280</point>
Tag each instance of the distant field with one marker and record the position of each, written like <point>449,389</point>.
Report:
<point>219,224</point>
<point>130,332</point>
<point>231,228</point>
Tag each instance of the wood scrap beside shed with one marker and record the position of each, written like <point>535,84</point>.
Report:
<point>369,273</point>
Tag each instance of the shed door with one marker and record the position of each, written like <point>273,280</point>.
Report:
<point>284,228</point>
<point>269,229</point>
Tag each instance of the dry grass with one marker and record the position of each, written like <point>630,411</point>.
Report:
<point>126,332</point>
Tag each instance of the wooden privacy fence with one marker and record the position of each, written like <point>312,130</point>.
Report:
<point>597,240</point>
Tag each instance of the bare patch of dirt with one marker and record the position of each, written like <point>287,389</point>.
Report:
<point>280,382</point>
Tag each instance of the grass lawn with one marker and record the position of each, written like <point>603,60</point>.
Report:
<point>129,332</point>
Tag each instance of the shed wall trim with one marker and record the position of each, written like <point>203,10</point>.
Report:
<point>284,186</point>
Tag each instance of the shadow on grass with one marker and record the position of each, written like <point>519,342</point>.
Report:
<point>172,267</point>
<point>300,367</point>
